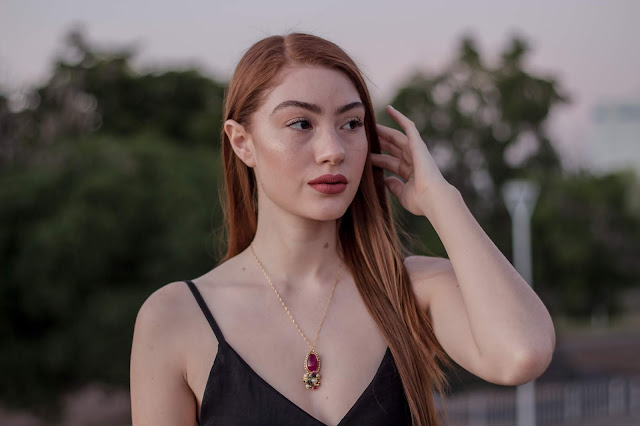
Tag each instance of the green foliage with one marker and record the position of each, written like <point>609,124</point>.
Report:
<point>86,236</point>
<point>587,242</point>
<point>484,125</point>
<point>183,105</point>
<point>96,90</point>
<point>109,190</point>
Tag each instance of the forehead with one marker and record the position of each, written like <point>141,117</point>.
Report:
<point>318,85</point>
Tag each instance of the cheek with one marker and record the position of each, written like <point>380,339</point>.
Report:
<point>277,146</point>
<point>360,150</point>
<point>277,161</point>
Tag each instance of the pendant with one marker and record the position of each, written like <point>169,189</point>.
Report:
<point>311,379</point>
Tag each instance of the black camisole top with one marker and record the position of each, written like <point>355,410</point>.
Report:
<point>236,395</point>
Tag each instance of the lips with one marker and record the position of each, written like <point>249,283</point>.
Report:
<point>330,179</point>
<point>329,184</point>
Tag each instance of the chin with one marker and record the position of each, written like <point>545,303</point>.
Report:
<point>328,213</point>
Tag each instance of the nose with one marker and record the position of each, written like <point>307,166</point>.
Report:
<point>330,148</point>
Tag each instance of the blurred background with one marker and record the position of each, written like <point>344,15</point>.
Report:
<point>110,116</point>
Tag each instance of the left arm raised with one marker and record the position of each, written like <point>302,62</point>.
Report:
<point>485,315</point>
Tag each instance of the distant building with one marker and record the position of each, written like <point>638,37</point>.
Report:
<point>615,136</point>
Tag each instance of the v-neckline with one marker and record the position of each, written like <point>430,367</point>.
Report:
<point>291,403</point>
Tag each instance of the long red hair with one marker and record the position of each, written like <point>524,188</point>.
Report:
<point>371,247</point>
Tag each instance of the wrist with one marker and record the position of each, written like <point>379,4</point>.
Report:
<point>436,201</point>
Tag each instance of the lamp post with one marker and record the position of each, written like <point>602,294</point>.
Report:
<point>520,197</point>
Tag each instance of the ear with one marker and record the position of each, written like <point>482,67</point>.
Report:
<point>240,141</point>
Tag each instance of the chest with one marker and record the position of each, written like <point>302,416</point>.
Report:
<point>269,351</point>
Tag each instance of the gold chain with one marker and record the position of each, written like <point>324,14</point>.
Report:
<point>285,308</point>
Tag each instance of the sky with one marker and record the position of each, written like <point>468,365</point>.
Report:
<point>591,47</point>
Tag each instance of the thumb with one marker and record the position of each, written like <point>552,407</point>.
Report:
<point>395,185</point>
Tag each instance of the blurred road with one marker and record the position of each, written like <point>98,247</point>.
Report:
<point>595,354</point>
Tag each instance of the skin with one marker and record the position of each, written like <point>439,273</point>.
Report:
<point>508,343</point>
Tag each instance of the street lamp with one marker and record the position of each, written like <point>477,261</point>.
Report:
<point>520,197</point>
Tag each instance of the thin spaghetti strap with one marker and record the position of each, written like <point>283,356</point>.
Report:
<point>205,310</point>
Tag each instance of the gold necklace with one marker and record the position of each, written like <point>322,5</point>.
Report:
<point>311,378</point>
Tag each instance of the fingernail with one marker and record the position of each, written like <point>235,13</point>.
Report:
<point>391,107</point>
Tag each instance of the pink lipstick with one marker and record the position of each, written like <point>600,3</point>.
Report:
<point>329,184</point>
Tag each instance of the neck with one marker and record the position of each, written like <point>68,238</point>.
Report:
<point>297,252</point>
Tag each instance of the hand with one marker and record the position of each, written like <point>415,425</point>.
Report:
<point>410,159</point>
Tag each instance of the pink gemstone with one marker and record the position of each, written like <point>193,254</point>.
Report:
<point>312,362</point>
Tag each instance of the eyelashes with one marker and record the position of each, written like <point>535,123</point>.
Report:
<point>357,120</point>
<point>359,123</point>
<point>296,121</point>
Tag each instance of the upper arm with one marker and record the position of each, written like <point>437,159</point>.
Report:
<point>160,394</point>
<point>436,288</point>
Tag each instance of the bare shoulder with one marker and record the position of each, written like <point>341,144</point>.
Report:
<point>163,333</point>
<point>429,274</point>
<point>167,305</point>
<point>163,316</point>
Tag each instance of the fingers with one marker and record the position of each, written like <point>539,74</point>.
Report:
<point>393,164</point>
<point>392,149</point>
<point>407,125</point>
<point>400,146</point>
<point>394,142</point>
<point>402,155</point>
<point>392,135</point>
<point>395,185</point>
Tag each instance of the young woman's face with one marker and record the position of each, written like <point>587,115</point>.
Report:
<point>311,125</point>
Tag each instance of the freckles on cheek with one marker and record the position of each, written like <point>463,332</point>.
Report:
<point>280,164</point>
<point>360,151</point>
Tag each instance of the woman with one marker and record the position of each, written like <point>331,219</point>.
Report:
<point>316,315</point>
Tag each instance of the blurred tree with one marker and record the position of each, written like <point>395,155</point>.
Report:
<point>108,187</point>
<point>93,89</point>
<point>86,236</point>
<point>587,242</point>
<point>485,125</point>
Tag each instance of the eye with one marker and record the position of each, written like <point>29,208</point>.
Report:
<point>305,124</point>
<point>356,122</point>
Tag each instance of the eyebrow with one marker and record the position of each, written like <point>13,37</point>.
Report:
<point>315,108</point>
